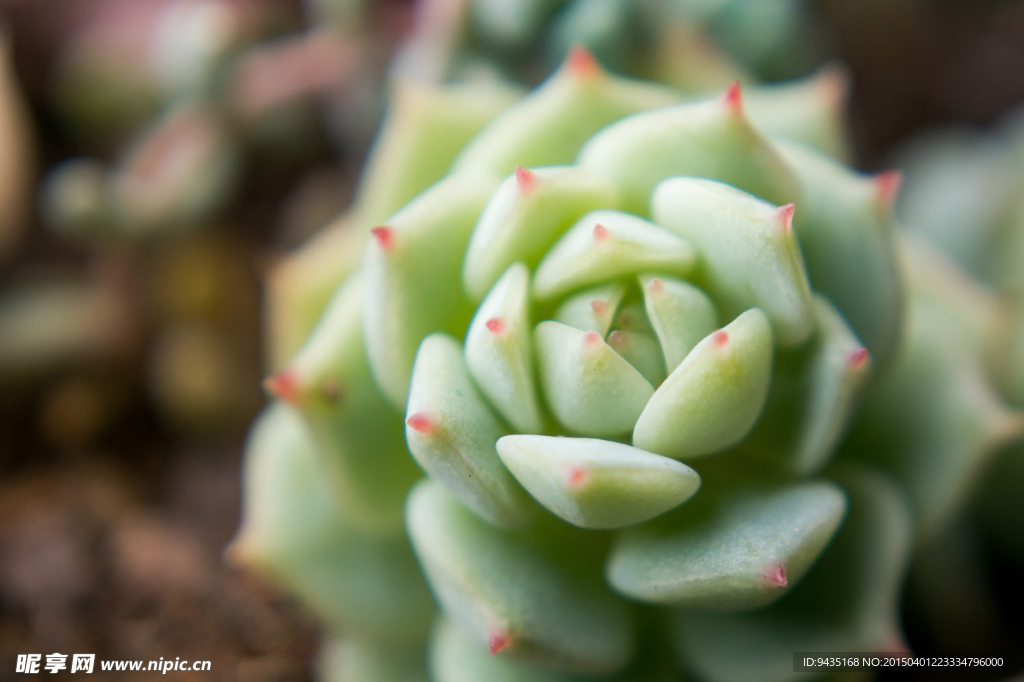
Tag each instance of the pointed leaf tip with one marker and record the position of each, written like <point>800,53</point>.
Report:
<point>581,63</point>
<point>495,325</point>
<point>720,339</point>
<point>888,186</point>
<point>857,358</point>
<point>600,232</point>
<point>420,422</point>
<point>385,237</point>
<point>498,641</point>
<point>786,217</point>
<point>656,286</point>
<point>776,575</point>
<point>284,386</point>
<point>599,307</point>
<point>526,180</point>
<point>733,98</point>
<point>575,476</point>
<point>591,338</point>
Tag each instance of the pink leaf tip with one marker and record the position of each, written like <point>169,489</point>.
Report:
<point>385,236</point>
<point>284,386</point>
<point>776,575</point>
<point>591,338</point>
<point>887,186</point>
<point>786,217</point>
<point>495,325</point>
<point>498,641</point>
<point>581,63</point>
<point>857,358</point>
<point>420,422</point>
<point>733,98</point>
<point>600,232</point>
<point>656,285</point>
<point>575,476</point>
<point>599,307</point>
<point>720,339</point>
<point>616,339</point>
<point>526,180</point>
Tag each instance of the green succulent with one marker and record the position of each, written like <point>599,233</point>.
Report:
<point>683,399</point>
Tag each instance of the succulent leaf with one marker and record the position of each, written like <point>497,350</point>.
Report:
<point>641,350</point>
<point>594,483</point>
<point>751,257</point>
<point>592,310</point>
<point>713,398</point>
<point>451,432</point>
<point>591,389</point>
<point>528,609</point>
<point>607,244</point>
<point>499,351</point>
<point>680,313</point>
<point>730,552</point>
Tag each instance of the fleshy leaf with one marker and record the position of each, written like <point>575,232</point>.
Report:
<point>730,552</point>
<point>293,532</point>
<point>528,609</point>
<point>592,310</point>
<point>704,139</point>
<point>750,256</point>
<point>714,397</point>
<point>642,351</point>
<point>589,387</point>
<point>423,242</point>
<point>845,226</point>
<point>680,313</point>
<point>526,215</point>
<point>595,483</point>
<point>847,602</point>
<point>549,126</point>
<point>606,244</point>
<point>633,318</point>
<point>357,432</point>
<point>812,399</point>
<point>451,433</point>
<point>499,351</point>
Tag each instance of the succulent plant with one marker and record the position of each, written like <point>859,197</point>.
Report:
<point>681,408</point>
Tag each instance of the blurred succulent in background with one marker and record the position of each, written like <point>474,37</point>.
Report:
<point>565,298</point>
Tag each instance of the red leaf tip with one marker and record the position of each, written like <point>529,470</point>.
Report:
<point>600,232</point>
<point>591,338</point>
<point>495,325</point>
<point>385,236</point>
<point>581,63</point>
<point>284,386</point>
<point>526,180</point>
<point>786,216</point>
<point>720,339</point>
<point>733,98</point>
<point>857,358</point>
<point>420,422</point>
<point>777,576</point>
<point>599,307</point>
<point>575,476</point>
<point>887,185</point>
<point>656,285</point>
<point>498,641</point>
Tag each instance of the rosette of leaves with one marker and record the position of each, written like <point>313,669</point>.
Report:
<point>623,337</point>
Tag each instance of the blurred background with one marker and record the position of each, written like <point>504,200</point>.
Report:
<point>158,158</point>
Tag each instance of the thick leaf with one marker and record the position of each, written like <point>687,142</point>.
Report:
<point>845,226</point>
<point>358,434</point>
<point>506,596</point>
<point>713,399</point>
<point>705,139</point>
<point>736,551</point>
<point>848,601</point>
<point>750,254</point>
<point>499,351</point>
<point>680,313</point>
<point>592,310</point>
<point>422,243</point>
<point>589,387</point>
<point>603,245</point>
<point>642,351</point>
<point>452,432</point>
<point>548,126</point>
<point>528,212</point>
<point>596,483</point>
<point>293,533</point>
